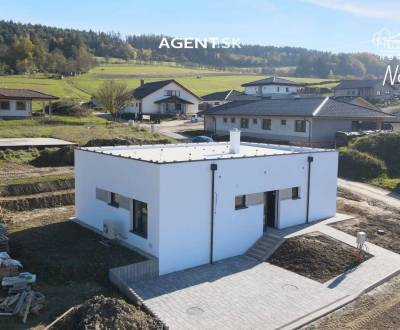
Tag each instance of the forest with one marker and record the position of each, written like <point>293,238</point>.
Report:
<point>29,48</point>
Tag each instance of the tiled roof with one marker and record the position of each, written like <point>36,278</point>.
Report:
<point>151,87</point>
<point>172,99</point>
<point>353,84</point>
<point>10,93</point>
<point>273,81</point>
<point>297,107</point>
<point>220,96</point>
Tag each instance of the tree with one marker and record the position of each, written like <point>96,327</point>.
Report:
<point>114,97</point>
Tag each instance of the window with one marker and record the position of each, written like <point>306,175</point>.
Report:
<point>216,103</point>
<point>378,93</point>
<point>266,124</point>
<point>240,202</point>
<point>300,126</point>
<point>170,92</point>
<point>278,89</point>
<point>4,105</point>
<point>114,199</point>
<point>233,120</point>
<point>255,121</point>
<point>244,123</point>
<point>295,193</point>
<point>225,120</point>
<point>287,89</point>
<point>21,105</point>
<point>139,221</point>
<point>283,122</point>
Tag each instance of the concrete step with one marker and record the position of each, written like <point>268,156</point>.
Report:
<point>264,247</point>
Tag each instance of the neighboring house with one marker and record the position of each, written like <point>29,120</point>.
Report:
<point>163,97</point>
<point>218,98</point>
<point>370,89</point>
<point>394,122</point>
<point>193,204</point>
<point>298,121</point>
<point>17,103</point>
<point>274,87</point>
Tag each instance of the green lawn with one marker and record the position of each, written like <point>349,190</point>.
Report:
<point>200,81</point>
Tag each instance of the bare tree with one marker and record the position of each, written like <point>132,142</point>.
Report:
<point>114,97</point>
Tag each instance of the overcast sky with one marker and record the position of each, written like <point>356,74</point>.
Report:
<point>332,25</point>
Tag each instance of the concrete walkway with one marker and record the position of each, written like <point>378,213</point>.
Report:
<point>239,293</point>
<point>18,143</point>
<point>371,192</point>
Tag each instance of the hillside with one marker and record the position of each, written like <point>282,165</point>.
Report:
<point>31,48</point>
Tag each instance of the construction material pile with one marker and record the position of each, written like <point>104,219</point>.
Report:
<point>17,296</point>
<point>106,313</point>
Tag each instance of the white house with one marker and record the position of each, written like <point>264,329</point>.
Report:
<point>219,98</point>
<point>192,204</point>
<point>163,97</point>
<point>273,87</point>
<point>17,103</point>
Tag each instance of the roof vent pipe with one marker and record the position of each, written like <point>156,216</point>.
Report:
<point>234,140</point>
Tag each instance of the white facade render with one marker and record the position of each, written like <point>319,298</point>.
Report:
<point>163,97</point>
<point>191,204</point>
<point>15,108</point>
<point>272,87</point>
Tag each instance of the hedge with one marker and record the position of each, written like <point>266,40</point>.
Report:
<point>357,165</point>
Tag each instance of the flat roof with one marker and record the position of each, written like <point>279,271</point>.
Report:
<point>32,142</point>
<point>186,152</point>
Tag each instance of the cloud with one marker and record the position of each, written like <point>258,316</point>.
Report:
<point>379,9</point>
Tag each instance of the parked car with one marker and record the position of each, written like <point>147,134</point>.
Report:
<point>196,118</point>
<point>202,138</point>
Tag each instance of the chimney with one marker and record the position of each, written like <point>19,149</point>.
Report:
<point>141,82</point>
<point>234,140</point>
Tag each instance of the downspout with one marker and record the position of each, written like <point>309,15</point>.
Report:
<point>309,131</point>
<point>310,159</point>
<point>213,167</point>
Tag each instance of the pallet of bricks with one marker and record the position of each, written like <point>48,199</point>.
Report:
<point>17,297</point>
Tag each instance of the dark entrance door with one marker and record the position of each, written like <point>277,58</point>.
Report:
<point>269,209</point>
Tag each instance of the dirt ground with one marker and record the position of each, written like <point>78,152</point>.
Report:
<point>379,221</point>
<point>377,310</point>
<point>10,170</point>
<point>71,264</point>
<point>317,256</point>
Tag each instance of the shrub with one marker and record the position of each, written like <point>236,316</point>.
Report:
<point>128,116</point>
<point>357,165</point>
<point>70,107</point>
<point>384,146</point>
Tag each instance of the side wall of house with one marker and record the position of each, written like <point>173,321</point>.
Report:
<point>185,204</point>
<point>13,112</point>
<point>127,177</point>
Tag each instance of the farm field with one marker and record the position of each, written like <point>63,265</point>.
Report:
<point>200,81</point>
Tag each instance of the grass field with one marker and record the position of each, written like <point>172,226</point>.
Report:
<point>79,130</point>
<point>200,81</point>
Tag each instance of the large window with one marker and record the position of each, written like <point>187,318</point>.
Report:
<point>300,126</point>
<point>240,202</point>
<point>4,105</point>
<point>244,123</point>
<point>266,124</point>
<point>139,223</point>
<point>21,105</point>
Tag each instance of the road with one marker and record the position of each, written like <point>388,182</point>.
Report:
<point>173,127</point>
<point>371,192</point>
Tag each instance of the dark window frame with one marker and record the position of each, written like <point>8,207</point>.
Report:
<point>233,120</point>
<point>295,193</point>
<point>283,122</point>
<point>300,126</point>
<point>18,103</point>
<point>255,121</point>
<point>242,204</point>
<point>266,124</point>
<point>139,218</point>
<point>225,120</point>
<point>5,102</point>
<point>244,123</point>
<point>114,200</point>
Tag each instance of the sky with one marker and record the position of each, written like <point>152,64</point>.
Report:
<point>328,25</point>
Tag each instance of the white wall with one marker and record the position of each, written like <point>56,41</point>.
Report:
<point>185,197</point>
<point>128,177</point>
<point>148,105</point>
<point>271,89</point>
<point>13,112</point>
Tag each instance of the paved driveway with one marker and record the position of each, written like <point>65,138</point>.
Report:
<point>237,293</point>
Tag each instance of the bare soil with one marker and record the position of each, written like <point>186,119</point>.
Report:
<point>107,313</point>
<point>10,170</point>
<point>71,263</point>
<point>381,222</point>
<point>317,256</point>
<point>378,309</point>
<point>35,187</point>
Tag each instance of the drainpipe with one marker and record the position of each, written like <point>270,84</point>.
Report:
<point>310,159</point>
<point>309,131</point>
<point>213,168</point>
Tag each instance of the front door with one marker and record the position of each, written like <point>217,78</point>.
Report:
<point>269,209</point>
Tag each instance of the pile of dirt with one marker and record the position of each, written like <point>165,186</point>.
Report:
<point>55,157</point>
<point>108,142</point>
<point>107,313</point>
<point>36,187</point>
<point>317,256</point>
